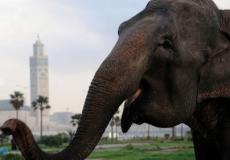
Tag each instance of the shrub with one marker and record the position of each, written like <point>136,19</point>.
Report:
<point>129,147</point>
<point>55,140</point>
<point>166,136</point>
<point>13,157</point>
<point>188,135</point>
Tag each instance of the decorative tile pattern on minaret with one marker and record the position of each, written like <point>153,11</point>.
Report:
<point>39,80</point>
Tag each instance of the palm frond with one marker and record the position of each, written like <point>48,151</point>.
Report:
<point>17,100</point>
<point>48,107</point>
<point>34,103</point>
<point>41,102</point>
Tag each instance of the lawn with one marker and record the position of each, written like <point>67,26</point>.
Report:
<point>170,150</point>
<point>141,150</point>
<point>186,154</point>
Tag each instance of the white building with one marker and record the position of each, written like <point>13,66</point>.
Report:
<point>8,112</point>
<point>62,118</point>
<point>39,79</point>
<point>39,83</point>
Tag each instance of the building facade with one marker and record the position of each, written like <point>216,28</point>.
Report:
<point>39,79</point>
<point>7,112</point>
<point>39,85</point>
<point>63,118</point>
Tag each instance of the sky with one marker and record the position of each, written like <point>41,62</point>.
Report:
<point>77,35</point>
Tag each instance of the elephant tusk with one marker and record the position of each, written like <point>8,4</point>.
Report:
<point>134,96</point>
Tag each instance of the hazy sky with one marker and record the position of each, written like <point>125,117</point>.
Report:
<point>77,35</point>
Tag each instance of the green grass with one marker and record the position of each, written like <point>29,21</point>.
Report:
<point>142,150</point>
<point>156,151</point>
<point>186,154</point>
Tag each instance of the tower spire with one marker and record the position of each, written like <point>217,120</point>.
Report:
<point>38,47</point>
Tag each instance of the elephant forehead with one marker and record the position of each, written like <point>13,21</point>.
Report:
<point>187,16</point>
<point>140,36</point>
<point>191,7</point>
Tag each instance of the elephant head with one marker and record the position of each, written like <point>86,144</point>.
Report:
<point>166,60</point>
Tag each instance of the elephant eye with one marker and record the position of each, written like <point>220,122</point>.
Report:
<point>167,44</point>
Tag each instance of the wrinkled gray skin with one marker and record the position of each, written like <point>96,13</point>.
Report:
<point>171,66</point>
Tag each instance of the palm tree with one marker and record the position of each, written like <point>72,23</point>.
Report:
<point>71,134</point>
<point>173,132</point>
<point>2,138</point>
<point>117,121</point>
<point>114,122</point>
<point>75,119</point>
<point>41,103</point>
<point>17,100</point>
<point>148,131</point>
<point>182,131</point>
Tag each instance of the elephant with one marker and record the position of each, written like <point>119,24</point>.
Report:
<point>170,65</point>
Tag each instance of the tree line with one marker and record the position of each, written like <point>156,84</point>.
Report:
<point>17,100</point>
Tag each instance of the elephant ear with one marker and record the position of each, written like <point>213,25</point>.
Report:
<point>215,74</point>
<point>225,22</point>
<point>215,78</point>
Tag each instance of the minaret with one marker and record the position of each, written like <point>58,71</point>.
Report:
<point>39,81</point>
<point>38,48</point>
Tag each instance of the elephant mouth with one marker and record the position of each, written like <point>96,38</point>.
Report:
<point>130,111</point>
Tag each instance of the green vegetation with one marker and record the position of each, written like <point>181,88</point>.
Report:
<point>135,149</point>
<point>17,101</point>
<point>138,154</point>
<point>169,150</point>
<point>75,119</point>
<point>12,157</point>
<point>55,140</point>
<point>41,103</point>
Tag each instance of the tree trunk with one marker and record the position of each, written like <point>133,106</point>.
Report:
<point>112,135</point>
<point>41,126</point>
<point>173,132</point>
<point>116,131</point>
<point>182,131</point>
<point>16,113</point>
<point>148,131</point>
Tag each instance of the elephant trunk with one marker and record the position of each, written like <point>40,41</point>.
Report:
<point>99,108</point>
<point>117,79</point>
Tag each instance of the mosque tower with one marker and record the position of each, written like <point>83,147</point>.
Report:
<point>39,79</point>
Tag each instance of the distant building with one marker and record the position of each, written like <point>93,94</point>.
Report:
<point>7,111</point>
<point>137,131</point>
<point>62,118</point>
<point>39,85</point>
<point>39,79</point>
